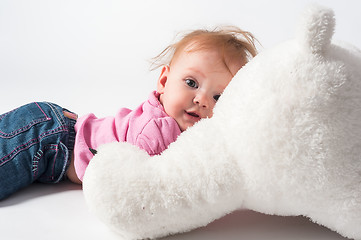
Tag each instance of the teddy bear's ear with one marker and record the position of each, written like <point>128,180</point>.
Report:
<point>316,28</point>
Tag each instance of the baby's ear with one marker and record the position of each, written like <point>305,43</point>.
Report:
<point>163,79</point>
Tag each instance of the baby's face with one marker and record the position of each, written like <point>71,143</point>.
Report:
<point>191,86</point>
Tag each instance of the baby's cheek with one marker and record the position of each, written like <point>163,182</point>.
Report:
<point>210,114</point>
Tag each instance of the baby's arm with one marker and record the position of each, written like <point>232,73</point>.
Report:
<point>157,134</point>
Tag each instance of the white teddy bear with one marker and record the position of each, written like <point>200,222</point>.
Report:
<point>285,139</point>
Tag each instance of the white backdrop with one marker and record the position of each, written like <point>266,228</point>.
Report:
<point>93,56</point>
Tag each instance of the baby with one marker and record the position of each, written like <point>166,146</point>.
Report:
<point>47,143</point>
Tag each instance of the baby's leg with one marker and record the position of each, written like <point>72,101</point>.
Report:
<point>34,146</point>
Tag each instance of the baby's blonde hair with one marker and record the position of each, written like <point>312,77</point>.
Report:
<point>232,43</point>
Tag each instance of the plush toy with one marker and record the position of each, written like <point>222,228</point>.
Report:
<point>285,139</point>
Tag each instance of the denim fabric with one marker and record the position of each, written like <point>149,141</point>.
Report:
<point>36,141</point>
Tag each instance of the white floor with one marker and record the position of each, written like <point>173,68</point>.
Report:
<point>59,212</point>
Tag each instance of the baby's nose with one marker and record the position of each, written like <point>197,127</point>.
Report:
<point>202,100</point>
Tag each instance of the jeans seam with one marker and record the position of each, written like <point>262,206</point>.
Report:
<point>31,142</point>
<point>58,115</point>
<point>17,131</point>
<point>42,111</point>
<point>65,166</point>
<point>35,163</point>
<point>26,127</point>
<point>38,157</point>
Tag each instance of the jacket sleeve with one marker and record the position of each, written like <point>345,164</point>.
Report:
<point>157,134</point>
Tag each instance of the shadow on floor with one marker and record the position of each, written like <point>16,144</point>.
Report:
<point>37,190</point>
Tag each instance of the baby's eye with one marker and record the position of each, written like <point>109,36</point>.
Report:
<point>216,97</point>
<point>191,83</point>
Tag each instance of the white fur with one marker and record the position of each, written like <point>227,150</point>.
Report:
<point>285,139</point>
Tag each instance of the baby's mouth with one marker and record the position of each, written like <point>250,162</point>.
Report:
<point>193,114</point>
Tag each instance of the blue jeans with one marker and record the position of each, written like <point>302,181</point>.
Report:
<point>36,141</point>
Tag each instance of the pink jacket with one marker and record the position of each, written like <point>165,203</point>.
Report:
<point>147,127</point>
